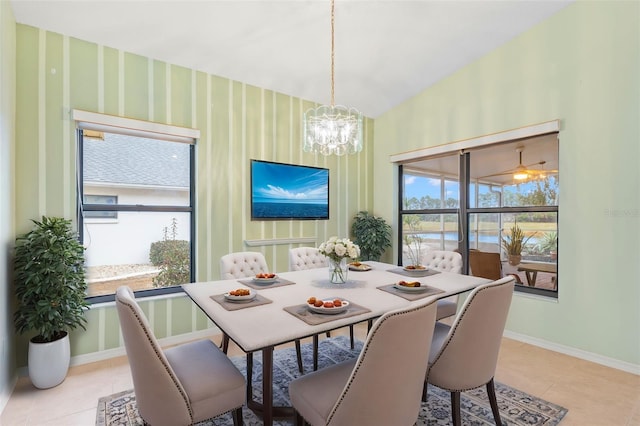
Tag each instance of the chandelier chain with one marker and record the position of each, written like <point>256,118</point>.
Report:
<point>333,55</point>
<point>332,129</point>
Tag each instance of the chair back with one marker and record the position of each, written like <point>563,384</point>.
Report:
<point>160,397</point>
<point>385,386</point>
<point>485,264</point>
<point>301,258</point>
<point>467,359</point>
<point>443,260</point>
<point>242,264</point>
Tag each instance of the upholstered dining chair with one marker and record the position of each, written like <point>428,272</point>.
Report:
<point>242,265</point>
<point>303,258</point>
<point>181,385</point>
<point>464,355</point>
<point>448,261</point>
<point>382,386</point>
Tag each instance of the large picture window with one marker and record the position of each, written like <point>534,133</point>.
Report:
<point>147,184</point>
<point>481,200</point>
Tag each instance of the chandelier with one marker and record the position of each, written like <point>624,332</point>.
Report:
<point>332,129</point>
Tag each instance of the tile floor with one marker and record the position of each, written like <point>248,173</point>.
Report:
<point>594,394</point>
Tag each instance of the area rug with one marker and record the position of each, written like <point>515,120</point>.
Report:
<point>516,407</point>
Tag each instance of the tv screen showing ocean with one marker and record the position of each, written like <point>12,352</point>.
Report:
<point>290,211</point>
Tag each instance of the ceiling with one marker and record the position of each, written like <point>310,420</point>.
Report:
<point>385,51</point>
<point>497,159</point>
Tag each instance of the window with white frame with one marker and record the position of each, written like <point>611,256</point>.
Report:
<point>145,180</point>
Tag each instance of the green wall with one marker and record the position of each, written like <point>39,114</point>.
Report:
<point>238,122</point>
<point>581,66</point>
<point>7,145</point>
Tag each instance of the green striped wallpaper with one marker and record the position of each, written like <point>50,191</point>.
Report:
<point>238,122</point>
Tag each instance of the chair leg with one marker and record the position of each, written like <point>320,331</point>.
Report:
<point>351,336</point>
<point>299,420</point>
<point>424,391</point>
<point>225,343</point>
<point>455,408</point>
<point>237,416</point>
<point>491,391</point>
<point>299,356</point>
<point>328,334</point>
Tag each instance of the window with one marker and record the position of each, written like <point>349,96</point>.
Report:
<point>146,183</point>
<point>430,204</point>
<point>101,199</point>
<point>501,187</point>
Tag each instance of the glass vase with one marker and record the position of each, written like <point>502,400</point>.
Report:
<point>338,271</point>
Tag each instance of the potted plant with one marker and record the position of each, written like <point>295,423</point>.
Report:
<point>513,244</point>
<point>413,241</point>
<point>550,244</point>
<point>50,289</point>
<point>372,234</point>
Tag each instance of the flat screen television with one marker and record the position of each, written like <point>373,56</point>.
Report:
<point>288,191</point>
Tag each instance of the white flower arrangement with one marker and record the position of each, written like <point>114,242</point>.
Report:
<point>337,249</point>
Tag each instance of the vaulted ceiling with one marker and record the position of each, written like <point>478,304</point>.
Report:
<point>385,51</point>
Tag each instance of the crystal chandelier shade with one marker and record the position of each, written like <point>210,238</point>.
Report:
<point>332,129</point>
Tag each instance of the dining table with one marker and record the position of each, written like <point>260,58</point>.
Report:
<point>531,270</point>
<point>278,312</point>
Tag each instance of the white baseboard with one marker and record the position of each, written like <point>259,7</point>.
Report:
<point>116,352</point>
<point>6,394</point>
<point>577,353</point>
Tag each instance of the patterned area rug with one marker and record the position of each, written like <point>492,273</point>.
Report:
<point>516,407</point>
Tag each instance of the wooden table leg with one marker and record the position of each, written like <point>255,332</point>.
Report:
<point>267,386</point>
<point>265,409</point>
<point>249,377</point>
<point>315,352</point>
<point>531,277</point>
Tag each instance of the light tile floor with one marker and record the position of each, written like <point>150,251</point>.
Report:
<point>594,394</point>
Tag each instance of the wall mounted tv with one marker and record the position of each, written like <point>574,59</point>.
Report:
<point>288,191</point>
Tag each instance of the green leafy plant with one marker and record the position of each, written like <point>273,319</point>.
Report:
<point>550,241</point>
<point>413,239</point>
<point>372,234</point>
<point>173,258</point>
<point>414,249</point>
<point>49,280</point>
<point>161,252</point>
<point>515,241</point>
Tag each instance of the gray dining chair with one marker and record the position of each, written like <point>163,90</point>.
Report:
<point>382,386</point>
<point>304,258</point>
<point>182,385</point>
<point>447,261</point>
<point>243,265</point>
<point>464,355</point>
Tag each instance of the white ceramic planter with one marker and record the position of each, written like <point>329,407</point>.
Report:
<point>49,362</point>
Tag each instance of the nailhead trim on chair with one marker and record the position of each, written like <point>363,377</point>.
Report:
<point>155,349</point>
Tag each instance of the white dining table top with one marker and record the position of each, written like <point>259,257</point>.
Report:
<point>257,327</point>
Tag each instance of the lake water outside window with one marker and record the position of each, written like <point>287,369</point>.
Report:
<point>507,192</point>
